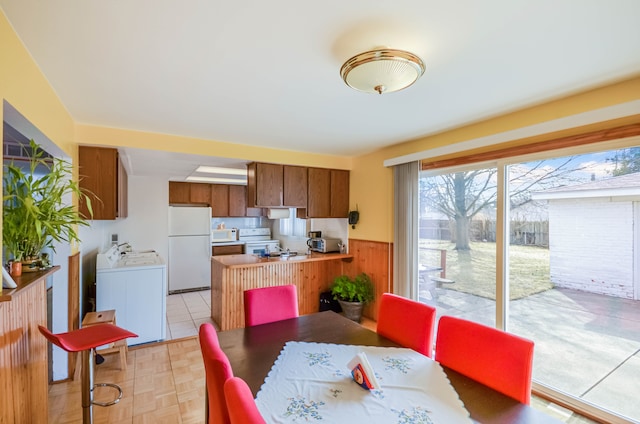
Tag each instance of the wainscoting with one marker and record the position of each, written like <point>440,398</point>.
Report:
<point>376,259</point>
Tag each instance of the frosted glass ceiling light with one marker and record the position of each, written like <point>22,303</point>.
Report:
<point>382,71</point>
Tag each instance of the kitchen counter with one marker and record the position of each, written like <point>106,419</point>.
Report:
<point>234,261</point>
<point>231,275</point>
<point>24,281</point>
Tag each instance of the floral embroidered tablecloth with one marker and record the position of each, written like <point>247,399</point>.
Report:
<point>310,382</point>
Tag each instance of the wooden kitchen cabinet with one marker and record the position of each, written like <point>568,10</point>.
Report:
<point>276,186</point>
<point>220,200</point>
<point>264,185</point>
<point>104,178</point>
<point>232,249</point>
<point>179,192</point>
<point>328,194</point>
<point>182,193</point>
<point>295,186</point>
<point>200,194</point>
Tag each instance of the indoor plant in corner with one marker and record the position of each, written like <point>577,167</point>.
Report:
<point>353,294</point>
<point>36,209</point>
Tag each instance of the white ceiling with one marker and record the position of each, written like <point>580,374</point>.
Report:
<point>267,73</point>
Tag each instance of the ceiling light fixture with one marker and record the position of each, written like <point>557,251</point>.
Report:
<point>220,170</point>
<point>217,180</point>
<point>382,71</point>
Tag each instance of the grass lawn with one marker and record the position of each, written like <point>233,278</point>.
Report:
<point>474,271</point>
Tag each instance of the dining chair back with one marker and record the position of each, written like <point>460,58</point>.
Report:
<point>495,358</point>
<point>407,322</point>
<point>269,304</point>
<point>240,402</point>
<point>217,370</point>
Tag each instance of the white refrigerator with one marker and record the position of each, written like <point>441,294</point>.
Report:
<point>189,248</point>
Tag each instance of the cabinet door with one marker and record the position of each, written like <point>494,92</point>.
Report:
<point>199,194</point>
<point>269,185</point>
<point>98,175</point>
<point>179,192</point>
<point>339,193</point>
<point>237,200</point>
<point>220,200</point>
<point>319,200</point>
<point>295,186</point>
<point>234,249</point>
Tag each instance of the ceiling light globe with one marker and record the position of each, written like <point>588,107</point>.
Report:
<point>382,71</point>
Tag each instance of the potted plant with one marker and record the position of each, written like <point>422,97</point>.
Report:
<point>35,209</point>
<point>353,294</point>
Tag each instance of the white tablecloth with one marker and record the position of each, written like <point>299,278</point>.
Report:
<point>310,382</point>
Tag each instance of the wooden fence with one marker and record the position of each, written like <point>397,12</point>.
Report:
<point>530,233</point>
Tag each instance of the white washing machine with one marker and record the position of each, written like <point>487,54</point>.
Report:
<point>135,285</point>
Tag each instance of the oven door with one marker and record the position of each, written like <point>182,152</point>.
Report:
<point>258,247</point>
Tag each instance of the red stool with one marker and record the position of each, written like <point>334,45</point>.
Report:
<point>85,340</point>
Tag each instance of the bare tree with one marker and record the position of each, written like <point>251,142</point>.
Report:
<point>463,195</point>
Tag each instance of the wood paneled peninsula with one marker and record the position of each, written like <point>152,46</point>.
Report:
<point>23,350</point>
<point>231,275</point>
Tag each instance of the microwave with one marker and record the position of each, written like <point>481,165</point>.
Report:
<point>324,245</point>
<point>230,234</point>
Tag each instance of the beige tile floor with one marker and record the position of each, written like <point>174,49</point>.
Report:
<point>185,313</point>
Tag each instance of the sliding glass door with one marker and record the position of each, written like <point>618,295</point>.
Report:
<point>569,240</point>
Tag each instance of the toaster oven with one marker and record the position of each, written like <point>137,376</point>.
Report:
<point>324,245</point>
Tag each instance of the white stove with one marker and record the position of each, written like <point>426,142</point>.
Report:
<point>257,239</point>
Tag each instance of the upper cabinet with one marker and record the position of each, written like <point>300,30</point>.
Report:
<point>181,193</point>
<point>224,199</point>
<point>276,186</point>
<point>219,199</point>
<point>328,194</point>
<point>105,179</point>
<point>238,203</point>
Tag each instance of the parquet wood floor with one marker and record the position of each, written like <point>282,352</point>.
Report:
<point>163,383</point>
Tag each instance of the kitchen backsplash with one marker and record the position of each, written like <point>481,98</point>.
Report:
<point>249,222</point>
<point>330,227</point>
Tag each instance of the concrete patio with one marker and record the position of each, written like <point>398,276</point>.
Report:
<point>587,345</point>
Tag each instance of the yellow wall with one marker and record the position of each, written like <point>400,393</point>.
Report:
<point>114,137</point>
<point>27,90</point>
<point>372,183</point>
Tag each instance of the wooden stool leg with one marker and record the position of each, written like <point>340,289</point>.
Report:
<point>123,355</point>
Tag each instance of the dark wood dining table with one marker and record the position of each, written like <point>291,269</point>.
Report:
<point>253,350</point>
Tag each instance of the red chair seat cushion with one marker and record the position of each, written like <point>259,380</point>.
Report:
<point>88,337</point>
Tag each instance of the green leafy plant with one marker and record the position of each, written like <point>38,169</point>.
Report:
<point>36,212</point>
<point>358,289</point>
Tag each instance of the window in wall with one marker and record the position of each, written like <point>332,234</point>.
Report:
<point>571,247</point>
<point>293,226</point>
<point>457,249</point>
<point>575,219</point>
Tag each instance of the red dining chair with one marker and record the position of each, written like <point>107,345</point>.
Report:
<point>217,370</point>
<point>495,358</point>
<point>407,322</point>
<point>85,340</point>
<point>240,402</point>
<point>269,304</point>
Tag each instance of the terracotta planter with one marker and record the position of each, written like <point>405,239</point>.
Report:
<point>16,269</point>
<point>352,310</point>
